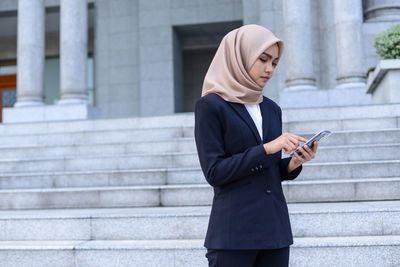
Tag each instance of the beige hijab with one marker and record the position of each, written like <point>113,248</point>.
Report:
<point>228,75</point>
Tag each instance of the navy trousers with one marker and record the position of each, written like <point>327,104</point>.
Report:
<point>248,258</point>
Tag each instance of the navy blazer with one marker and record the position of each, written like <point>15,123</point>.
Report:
<point>249,210</point>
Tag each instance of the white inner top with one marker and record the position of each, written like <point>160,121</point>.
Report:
<point>255,113</point>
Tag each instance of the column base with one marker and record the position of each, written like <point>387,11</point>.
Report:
<point>50,113</point>
<point>352,85</point>
<point>300,88</point>
<point>28,104</point>
<point>72,101</point>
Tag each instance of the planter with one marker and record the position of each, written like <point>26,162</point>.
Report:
<point>384,82</point>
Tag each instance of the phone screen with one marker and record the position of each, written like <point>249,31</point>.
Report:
<point>317,137</point>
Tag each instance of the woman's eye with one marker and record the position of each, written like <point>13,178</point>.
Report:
<point>263,60</point>
<point>274,64</point>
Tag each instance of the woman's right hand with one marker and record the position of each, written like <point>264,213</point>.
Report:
<point>287,141</point>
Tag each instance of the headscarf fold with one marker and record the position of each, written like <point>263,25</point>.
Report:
<point>228,74</point>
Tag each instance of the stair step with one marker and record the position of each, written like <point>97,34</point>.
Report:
<point>360,137</point>
<point>308,220</point>
<point>91,137</point>
<point>88,178</point>
<point>113,253</point>
<point>176,160</point>
<point>305,252</point>
<point>186,147</point>
<point>366,251</point>
<point>296,191</point>
<point>167,146</point>
<point>342,190</point>
<point>338,170</point>
<point>338,138</point>
<point>356,153</point>
<point>189,195</point>
<point>152,134</point>
<point>155,176</point>
<point>345,112</point>
<point>137,123</point>
<point>343,124</point>
<point>100,162</point>
<point>187,119</point>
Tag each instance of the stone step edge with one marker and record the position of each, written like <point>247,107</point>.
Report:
<point>113,171</point>
<point>184,137</point>
<point>172,139</point>
<point>94,172</point>
<point>152,122</point>
<point>184,186</point>
<point>321,146</point>
<point>182,127</point>
<point>105,131</point>
<point>350,162</point>
<point>299,242</point>
<point>339,119</point>
<point>170,170</point>
<point>188,118</point>
<point>166,170</point>
<point>199,169</point>
<point>107,156</point>
<point>193,211</point>
<point>343,109</point>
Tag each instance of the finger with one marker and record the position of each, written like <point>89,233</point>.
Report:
<point>299,138</point>
<point>306,155</point>
<point>315,146</point>
<point>291,145</point>
<point>298,157</point>
<point>293,140</point>
<point>286,148</point>
<point>309,151</point>
<point>287,145</point>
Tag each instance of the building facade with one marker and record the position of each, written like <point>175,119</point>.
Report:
<point>79,59</point>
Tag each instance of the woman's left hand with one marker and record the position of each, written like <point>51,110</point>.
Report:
<point>307,154</point>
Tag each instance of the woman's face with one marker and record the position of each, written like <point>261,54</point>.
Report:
<point>263,69</point>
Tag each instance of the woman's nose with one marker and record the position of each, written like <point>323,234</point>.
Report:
<point>269,68</point>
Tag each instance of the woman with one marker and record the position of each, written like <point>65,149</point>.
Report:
<point>239,141</point>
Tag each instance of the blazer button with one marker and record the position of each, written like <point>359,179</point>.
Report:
<point>252,169</point>
<point>268,192</point>
<point>256,168</point>
<point>260,166</point>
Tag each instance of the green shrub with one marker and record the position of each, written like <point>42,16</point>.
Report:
<point>387,43</point>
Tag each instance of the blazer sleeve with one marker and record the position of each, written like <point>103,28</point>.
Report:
<point>284,164</point>
<point>285,175</point>
<point>219,168</point>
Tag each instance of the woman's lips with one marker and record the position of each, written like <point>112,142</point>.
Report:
<point>265,78</point>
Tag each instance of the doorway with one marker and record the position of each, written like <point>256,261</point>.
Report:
<point>194,48</point>
<point>8,86</point>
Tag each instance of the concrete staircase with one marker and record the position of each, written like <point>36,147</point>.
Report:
<point>130,192</point>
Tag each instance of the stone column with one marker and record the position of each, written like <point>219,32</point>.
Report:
<point>30,53</point>
<point>381,10</point>
<point>349,47</point>
<point>73,52</point>
<point>298,45</point>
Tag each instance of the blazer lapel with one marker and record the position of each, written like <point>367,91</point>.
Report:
<point>265,120</point>
<point>244,114</point>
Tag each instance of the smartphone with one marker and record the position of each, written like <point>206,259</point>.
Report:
<point>317,137</point>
